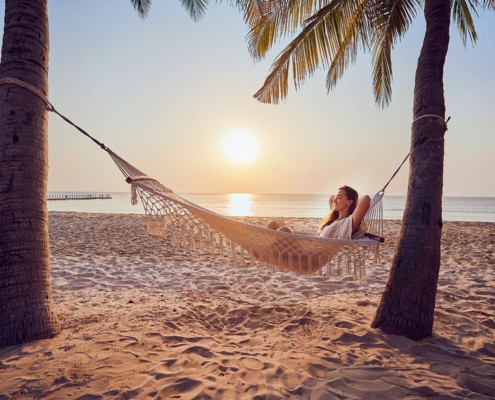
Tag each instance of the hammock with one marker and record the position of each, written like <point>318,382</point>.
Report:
<point>181,221</point>
<point>188,224</point>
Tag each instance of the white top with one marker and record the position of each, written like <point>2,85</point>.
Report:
<point>341,229</point>
<point>338,229</point>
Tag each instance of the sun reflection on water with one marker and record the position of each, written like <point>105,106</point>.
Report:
<point>240,204</point>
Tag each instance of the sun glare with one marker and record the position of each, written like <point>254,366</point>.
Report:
<point>240,147</point>
<point>240,204</point>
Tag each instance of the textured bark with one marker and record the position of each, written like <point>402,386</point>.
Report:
<point>408,303</point>
<point>26,306</point>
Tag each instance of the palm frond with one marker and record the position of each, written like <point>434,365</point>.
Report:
<point>390,22</point>
<point>461,12</point>
<point>265,26</point>
<point>318,44</point>
<point>358,31</point>
<point>489,4</point>
<point>195,8</point>
<point>276,19</point>
<point>142,7</point>
<point>251,9</point>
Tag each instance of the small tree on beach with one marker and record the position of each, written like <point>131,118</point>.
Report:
<point>332,33</point>
<point>26,306</point>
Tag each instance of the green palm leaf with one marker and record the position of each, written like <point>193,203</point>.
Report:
<point>461,12</point>
<point>318,43</point>
<point>142,7</point>
<point>489,5</point>
<point>391,20</point>
<point>195,8</point>
<point>358,32</point>
<point>278,18</point>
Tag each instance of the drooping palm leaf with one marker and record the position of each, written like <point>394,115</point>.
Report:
<point>195,8</point>
<point>358,32</point>
<point>317,44</point>
<point>391,20</point>
<point>489,4</point>
<point>279,18</point>
<point>461,12</point>
<point>142,7</point>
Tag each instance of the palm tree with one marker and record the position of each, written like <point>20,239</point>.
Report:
<point>331,35</point>
<point>26,305</point>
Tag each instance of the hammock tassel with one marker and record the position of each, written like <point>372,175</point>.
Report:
<point>221,245</point>
<point>310,264</point>
<point>271,257</point>
<point>363,272</point>
<point>163,226</point>
<point>202,240</point>
<point>133,194</point>
<point>191,237</point>
<point>232,250</point>
<point>183,235</point>
<point>377,254</point>
<point>172,229</point>
<point>261,256</point>
<point>251,254</point>
<point>357,264</point>
<point>320,262</point>
<point>212,243</point>
<point>243,261</point>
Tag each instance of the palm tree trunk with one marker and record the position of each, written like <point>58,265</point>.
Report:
<point>26,306</point>
<point>408,302</point>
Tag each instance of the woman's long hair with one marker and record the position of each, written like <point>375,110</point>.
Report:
<point>351,194</point>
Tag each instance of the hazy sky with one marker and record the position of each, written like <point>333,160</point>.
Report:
<point>164,93</point>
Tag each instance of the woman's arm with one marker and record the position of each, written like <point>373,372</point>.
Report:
<point>362,208</point>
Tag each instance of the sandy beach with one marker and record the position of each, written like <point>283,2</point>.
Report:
<point>144,319</point>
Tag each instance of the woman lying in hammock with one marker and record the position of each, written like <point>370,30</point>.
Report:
<point>345,220</point>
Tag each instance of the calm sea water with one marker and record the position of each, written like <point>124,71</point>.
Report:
<point>480,209</point>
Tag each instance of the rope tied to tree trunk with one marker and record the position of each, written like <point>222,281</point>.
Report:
<point>434,116</point>
<point>49,106</point>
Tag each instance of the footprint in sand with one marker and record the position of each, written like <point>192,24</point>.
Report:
<point>182,387</point>
<point>345,325</point>
<point>290,380</point>
<point>199,350</point>
<point>251,363</point>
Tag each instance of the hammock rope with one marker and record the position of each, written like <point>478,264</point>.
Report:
<point>181,221</point>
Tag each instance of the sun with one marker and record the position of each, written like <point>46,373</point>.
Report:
<point>240,147</point>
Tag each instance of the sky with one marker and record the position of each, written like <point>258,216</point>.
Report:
<point>165,92</point>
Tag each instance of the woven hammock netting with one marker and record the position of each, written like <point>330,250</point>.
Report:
<point>185,223</point>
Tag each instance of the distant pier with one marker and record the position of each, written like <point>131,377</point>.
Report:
<point>61,197</point>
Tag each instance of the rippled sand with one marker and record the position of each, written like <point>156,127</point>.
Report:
<point>144,319</point>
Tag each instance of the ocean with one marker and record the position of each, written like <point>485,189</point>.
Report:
<point>481,209</point>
